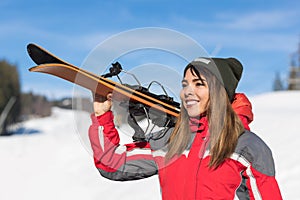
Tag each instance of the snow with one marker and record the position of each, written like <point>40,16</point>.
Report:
<point>53,160</point>
<point>53,164</point>
<point>276,120</point>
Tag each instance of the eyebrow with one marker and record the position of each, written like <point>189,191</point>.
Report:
<point>194,80</point>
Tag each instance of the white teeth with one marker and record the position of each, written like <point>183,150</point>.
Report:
<point>191,102</point>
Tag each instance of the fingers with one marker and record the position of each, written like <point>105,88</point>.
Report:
<point>100,98</point>
<point>102,104</point>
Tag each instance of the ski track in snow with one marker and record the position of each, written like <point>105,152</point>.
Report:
<point>56,162</point>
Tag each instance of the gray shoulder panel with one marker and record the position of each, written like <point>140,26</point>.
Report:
<point>255,150</point>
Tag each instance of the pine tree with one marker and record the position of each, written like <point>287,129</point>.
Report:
<point>9,95</point>
<point>278,85</point>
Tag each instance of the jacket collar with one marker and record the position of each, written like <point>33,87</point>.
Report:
<point>198,124</point>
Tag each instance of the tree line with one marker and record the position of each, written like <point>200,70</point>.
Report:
<point>16,106</point>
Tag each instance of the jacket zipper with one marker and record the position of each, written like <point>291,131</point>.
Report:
<point>201,154</point>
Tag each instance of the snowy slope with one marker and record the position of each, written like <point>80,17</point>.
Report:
<point>54,163</point>
<point>277,121</point>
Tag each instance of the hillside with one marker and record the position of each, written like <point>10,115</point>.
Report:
<point>276,120</point>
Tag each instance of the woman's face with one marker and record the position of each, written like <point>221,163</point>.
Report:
<point>194,94</point>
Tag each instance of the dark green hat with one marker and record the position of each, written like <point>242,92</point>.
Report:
<point>227,70</point>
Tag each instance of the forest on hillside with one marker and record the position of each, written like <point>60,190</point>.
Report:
<point>16,106</point>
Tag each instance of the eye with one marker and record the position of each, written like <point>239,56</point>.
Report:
<point>183,85</point>
<point>199,83</point>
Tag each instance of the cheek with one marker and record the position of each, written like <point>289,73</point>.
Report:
<point>206,98</point>
<point>203,96</point>
<point>182,99</point>
<point>206,102</point>
<point>202,93</point>
<point>181,94</point>
<point>205,105</point>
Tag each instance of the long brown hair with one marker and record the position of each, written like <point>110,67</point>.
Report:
<point>224,125</point>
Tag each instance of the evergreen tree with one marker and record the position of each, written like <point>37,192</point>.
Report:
<point>278,85</point>
<point>9,95</point>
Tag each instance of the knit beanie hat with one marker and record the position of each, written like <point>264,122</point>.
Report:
<point>227,70</point>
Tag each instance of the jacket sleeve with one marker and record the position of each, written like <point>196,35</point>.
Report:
<point>259,173</point>
<point>114,161</point>
<point>265,187</point>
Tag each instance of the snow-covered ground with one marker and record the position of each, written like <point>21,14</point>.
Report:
<point>277,121</point>
<point>52,161</point>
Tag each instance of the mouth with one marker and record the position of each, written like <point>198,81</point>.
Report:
<point>192,102</point>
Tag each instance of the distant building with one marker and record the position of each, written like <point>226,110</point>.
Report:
<point>294,74</point>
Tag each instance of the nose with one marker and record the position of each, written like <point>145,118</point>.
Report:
<point>188,90</point>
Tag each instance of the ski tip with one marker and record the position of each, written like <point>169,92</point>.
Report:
<point>30,45</point>
<point>29,48</point>
<point>31,69</point>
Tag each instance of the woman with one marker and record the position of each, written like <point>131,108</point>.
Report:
<point>209,154</point>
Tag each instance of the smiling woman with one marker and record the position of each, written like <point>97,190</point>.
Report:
<point>209,154</point>
<point>194,93</point>
<point>204,96</point>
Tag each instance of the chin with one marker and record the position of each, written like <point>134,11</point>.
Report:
<point>193,114</point>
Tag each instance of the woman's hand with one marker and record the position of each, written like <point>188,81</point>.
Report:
<point>102,104</point>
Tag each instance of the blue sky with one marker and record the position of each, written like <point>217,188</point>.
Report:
<point>261,34</point>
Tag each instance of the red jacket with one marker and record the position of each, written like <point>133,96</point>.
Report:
<point>248,174</point>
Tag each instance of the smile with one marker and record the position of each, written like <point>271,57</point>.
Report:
<point>191,102</point>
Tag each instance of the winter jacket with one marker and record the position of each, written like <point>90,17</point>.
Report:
<point>248,174</point>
